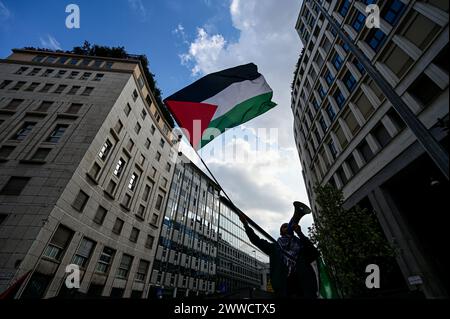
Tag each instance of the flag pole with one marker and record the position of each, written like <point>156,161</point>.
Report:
<point>230,202</point>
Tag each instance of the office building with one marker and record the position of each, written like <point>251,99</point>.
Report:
<point>348,134</point>
<point>85,171</point>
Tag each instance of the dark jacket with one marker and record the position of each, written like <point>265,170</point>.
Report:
<point>305,283</point>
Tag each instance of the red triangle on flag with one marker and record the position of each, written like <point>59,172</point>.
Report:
<point>194,117</point>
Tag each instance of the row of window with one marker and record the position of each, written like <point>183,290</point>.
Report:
<point>59,74</point>
<point>73,61</point>
<point>61,239</point>
<point>46,87</point>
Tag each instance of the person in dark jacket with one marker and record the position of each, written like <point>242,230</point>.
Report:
<point>290,257</point>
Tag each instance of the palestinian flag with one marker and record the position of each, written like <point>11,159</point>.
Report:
<point>220,101</point>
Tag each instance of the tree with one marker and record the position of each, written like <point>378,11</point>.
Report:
<point>348,240</point>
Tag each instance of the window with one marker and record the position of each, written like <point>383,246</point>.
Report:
<point>159,201</point>
<point>396,119</point>
<point>118,127</point>
<point>58,243</point>
<point>46,88</point>
<point>323,125</point>
<point>366,151</point>
<point>73,75</point>
<point>13,104</point>
<point>15,186</point>
<point>86,62</point>
<point>57,133</point>
<point>98,77</point>
<point>133,181</point>
<point>351,162</point>
<point>74,89</point>
<point>154,219</point>
<point>152,129</point>
<point>124,267</point>
<point>330,111</point>
<point>329,78</point>
<point>118,225</point>
<point>74,108</point>
<point>5,83</point>
<point>50,59</point>
<point>104,152</point>
<point>63,60</point>
<point>337,61</point>
<point>134,235</point>
<point>146,193</point>
<point>359,66</point>
<point>32,86</point>
<point>127,109</point>
<point>153,172</point>
<point>141,160</point>
<point>424,90</point>
<point>340,100</point>
<point>21,70</point>
<point>149,242</point>
<point>83,253</point>
<point>87,91</point>
<point>130,145</point>
<point>18,85</point>
<point>141,211</point>
<point>332,148</point>
<point>60,88</point>
<point>24,131</point>
<point>108,65</point>
<point>142,270</point>
<point>111,187</point>
<point>137,128</point>
<point>375,39</point>
<point>47,72</point>
<point>322,92</point>
<point>393,11</point>
<point>135,95</point>
<point>85,76</point>
<point>44,106</point>
<point>143,114</point>
<point>343,9</point>
<point>60,74</point>
<point>147,143</point>
<point>34,71</point>
<point>119,167</point>
<point>94,171</point>
<point>38,58</point>
<point>74,61</point>
<point>100,215</point>
<point>168,167</point>
<point>381,135</point>
<point>126,201</point>
<point>80,201</point>
<point>41,154</point>
<point>162,143</point>
<point>315,105</point>
<point>105,260</point>
<point>158,156</point>
<point>97,63</point>
<point>140,81</point>
<point>6,150</point>
<point>3,218</point>
<point>349,81</point>
<point>359,21</point>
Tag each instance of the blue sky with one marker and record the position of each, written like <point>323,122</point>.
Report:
<point>143,27</point>
<point>183,41</point>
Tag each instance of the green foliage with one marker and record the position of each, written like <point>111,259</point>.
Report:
<point>348,240</point>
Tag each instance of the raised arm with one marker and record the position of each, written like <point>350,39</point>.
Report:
<point>262,244</point>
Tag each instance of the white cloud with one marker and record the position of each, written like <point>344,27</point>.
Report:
<point>50,43</point>
<point>138,7</point>
<point>265,188</point>
<point>4,12</point>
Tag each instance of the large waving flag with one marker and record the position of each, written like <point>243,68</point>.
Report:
<point>220,100</point>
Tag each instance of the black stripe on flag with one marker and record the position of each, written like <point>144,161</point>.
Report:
<point>214,83</point>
